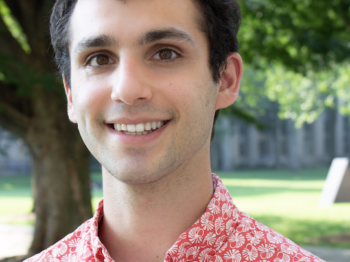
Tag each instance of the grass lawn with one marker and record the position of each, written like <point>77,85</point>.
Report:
<point>288,202</point>
<point>283,200</point>
<point>15,195</point>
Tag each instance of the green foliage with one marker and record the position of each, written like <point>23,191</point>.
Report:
<point>304,97</point>
<point>300,51</point>
<point>22,77</point>
<point>14,27</point>
<point>249,103</point>
<point>298,95</point>
<point>300,34</point>
<point>252,89</point>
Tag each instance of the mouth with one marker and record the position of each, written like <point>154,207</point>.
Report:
<point>138,129</point>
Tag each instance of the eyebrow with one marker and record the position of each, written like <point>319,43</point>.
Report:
<point>147,38</point>
<point>98,41</point>
<point>166,33</point>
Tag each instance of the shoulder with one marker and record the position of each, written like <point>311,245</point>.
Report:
<point>245,238</point>
<point>69,248</point>
<point>253,241</point>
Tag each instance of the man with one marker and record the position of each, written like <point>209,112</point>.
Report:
<point>144,80</point>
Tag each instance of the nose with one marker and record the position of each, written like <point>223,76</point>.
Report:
<point>130,84</point>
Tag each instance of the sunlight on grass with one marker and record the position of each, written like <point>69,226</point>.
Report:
<point>15,195</point>
<point>288,203</point>
<point>15,205</point>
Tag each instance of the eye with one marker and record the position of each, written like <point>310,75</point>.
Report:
<point>100,60</point>
<point>165,54</point>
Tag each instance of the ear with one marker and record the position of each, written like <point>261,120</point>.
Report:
<point>228,87</point>
<point>70,107</point>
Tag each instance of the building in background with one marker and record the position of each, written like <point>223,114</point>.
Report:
<point>14,155</point>
<point>281,145</point>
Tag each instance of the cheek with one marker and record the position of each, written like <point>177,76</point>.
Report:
<point>181,91</point>
<point>89,97</point>
<point>195,100</point>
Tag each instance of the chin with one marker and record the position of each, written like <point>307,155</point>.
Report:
<point>137,167</point>
<point>136,177</point>
<point>141,174</point>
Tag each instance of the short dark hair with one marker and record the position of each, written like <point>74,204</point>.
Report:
<point>219,20</point>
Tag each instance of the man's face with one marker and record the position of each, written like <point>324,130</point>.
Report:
<point>135,63</point>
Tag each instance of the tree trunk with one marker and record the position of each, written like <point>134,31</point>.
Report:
<point>33,107</point>
<point>60,172</point>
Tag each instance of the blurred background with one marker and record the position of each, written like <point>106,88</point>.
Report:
<point>273,148</point>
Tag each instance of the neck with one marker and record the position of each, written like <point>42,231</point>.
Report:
<point>141,222</point>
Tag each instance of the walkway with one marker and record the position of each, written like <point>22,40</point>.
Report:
<point>15,241</point>
<point>330,254</point>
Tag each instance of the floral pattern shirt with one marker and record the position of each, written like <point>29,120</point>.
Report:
<point>221,234</point>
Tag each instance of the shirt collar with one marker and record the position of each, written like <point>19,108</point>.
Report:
<point>99,250</point>
<point>208,234</point>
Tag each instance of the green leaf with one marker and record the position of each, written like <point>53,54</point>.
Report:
<point>14,27</point>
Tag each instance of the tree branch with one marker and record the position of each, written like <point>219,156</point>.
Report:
<point>16,11</point>
<point>33,17</point>
<point>9,45</point>
<point>15,110</point>
<point>13,121</point>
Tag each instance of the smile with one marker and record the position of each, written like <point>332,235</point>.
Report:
<point>139,129</point>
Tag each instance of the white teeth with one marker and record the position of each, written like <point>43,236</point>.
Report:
<point>131,128</point>
<point>148,126</point>
<point>140,127</point>
<point>154,125</point>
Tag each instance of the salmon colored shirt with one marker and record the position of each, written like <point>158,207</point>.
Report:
<point>221,234</point>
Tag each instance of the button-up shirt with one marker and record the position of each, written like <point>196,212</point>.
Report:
<point>222,233</point>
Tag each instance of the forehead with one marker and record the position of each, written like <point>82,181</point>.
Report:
<point>125,20</point>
